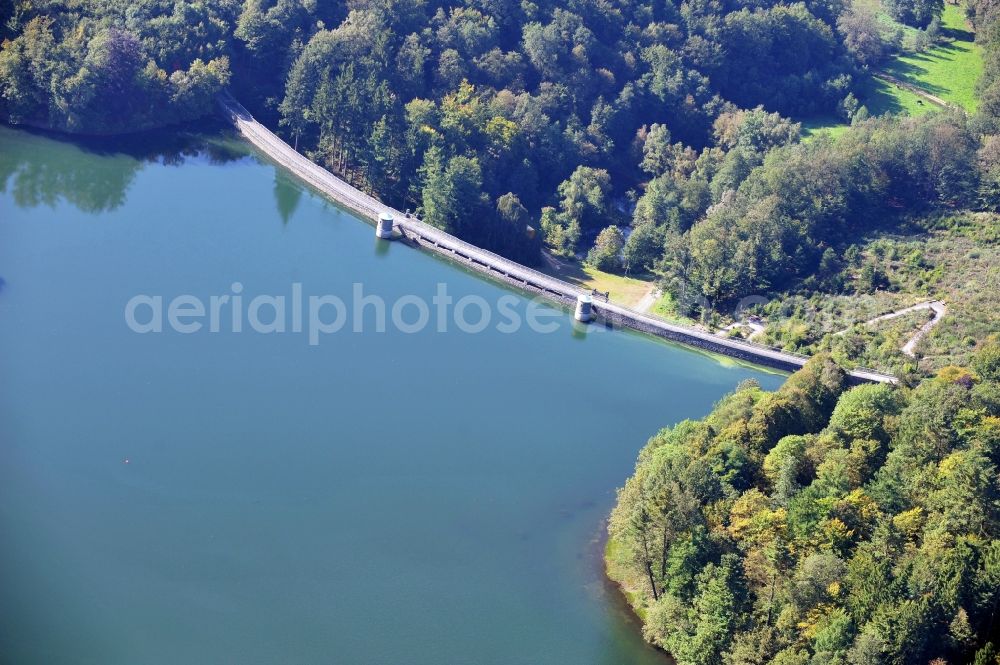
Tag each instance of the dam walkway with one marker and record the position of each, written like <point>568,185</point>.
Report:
<point>496,266</point>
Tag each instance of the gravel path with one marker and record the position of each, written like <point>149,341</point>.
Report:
<point>939,309</point>
<point>647,300</point>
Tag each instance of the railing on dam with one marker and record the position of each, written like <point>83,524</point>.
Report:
<point>498,266</point>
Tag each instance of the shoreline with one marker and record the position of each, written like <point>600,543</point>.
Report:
<point>621,597</point>
<point>424,236</point>
<point>616,597</point>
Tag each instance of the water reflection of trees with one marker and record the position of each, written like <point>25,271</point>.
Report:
<point>47,168</point>
<point>287,194</point>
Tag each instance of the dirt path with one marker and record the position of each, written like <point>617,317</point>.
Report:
<point>916,90</point>
<point>647,300</point>
<point>939,309</point>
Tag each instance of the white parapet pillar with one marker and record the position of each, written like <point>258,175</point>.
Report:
<point>584,308</point>
<point>384,228</point>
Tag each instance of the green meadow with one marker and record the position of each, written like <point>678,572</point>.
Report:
<point>949,70</point>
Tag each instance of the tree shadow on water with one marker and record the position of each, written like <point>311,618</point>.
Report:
<point>287,195</point>
<point>39,167</point>
<point>207,139</point>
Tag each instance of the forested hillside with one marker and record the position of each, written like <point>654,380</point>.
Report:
<point>481,113</point>
<point>487,116</point>
<point>822,524</point>
<point>661,140</point>
<point>99,67</point>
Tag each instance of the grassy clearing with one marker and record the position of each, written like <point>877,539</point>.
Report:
<point>950,69</point>
<point>882,97</point>
<point>627,291</point>
<point>830,126</point>
<point>666,308</point>
<point>888,23</point>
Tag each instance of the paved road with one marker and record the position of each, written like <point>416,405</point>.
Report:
<point>494,264</point>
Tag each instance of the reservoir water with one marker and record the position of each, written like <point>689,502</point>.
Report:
<point>238,497</point>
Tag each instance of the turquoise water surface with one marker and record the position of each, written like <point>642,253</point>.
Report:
<point>237,497</point>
